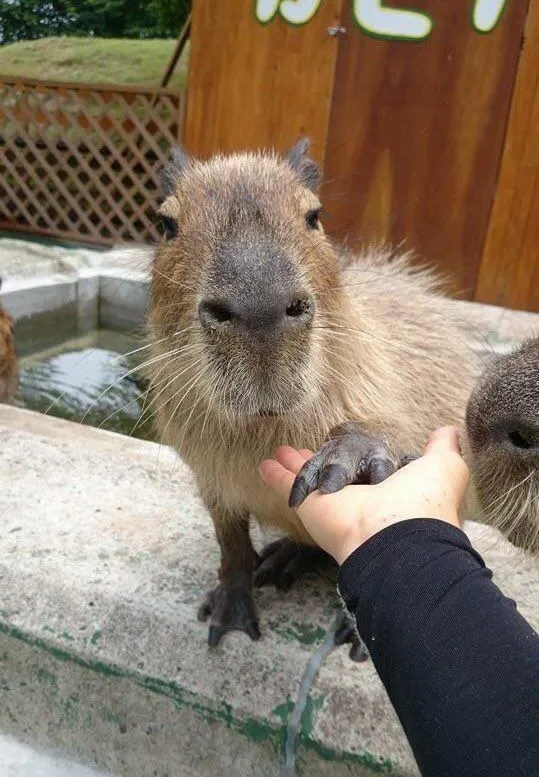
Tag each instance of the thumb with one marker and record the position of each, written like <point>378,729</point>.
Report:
<point>444,445</point>
<point>275,475</point>
<point>443,441</point>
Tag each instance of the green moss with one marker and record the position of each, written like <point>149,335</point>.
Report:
<point>311,708</point>
<point>254,730</point>
<point>109,716</point>
<point>305,633</point>
<point>45,677</point>
<point>70,713</point>
<point>375,763</point>
<point>283,710</point>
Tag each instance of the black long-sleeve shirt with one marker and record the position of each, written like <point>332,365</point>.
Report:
<point>459,662</point>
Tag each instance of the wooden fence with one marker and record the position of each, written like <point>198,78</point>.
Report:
<point>80,161</point>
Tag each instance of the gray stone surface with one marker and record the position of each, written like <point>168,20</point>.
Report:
<point>105,553</point>
<point>18,759</point>
<point>24,258</point>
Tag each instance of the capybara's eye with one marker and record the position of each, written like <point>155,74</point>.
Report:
<point>313,218</point>
<point>170,227</point>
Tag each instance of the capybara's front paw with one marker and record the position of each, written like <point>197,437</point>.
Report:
<point>348,457</point>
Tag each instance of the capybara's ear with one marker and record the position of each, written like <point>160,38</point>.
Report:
<point>169,174</point>
<point>302,164</point>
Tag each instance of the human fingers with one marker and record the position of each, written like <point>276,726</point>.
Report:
<point>443,440</point>
<point>444,444</point>
<point>278,477</point>
<point>290,458</point>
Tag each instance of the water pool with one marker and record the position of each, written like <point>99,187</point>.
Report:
<point>91,380</point>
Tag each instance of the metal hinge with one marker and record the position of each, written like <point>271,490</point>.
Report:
<point>336,30</point>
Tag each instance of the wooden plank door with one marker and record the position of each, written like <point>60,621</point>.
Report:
<point>254,85</point>
<point>509,272</point>
<point>416,133</point>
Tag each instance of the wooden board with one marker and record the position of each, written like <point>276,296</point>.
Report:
<point>253,85</point>
<point>510,268</point>
<point>416,134</point>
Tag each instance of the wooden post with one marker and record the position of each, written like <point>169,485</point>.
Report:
<point>509,272</point>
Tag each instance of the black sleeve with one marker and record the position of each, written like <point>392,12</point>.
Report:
<point>459,662</point>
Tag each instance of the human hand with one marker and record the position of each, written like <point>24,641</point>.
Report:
<point>432,486</point>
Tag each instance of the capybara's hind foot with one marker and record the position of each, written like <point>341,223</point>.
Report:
<point>231,609</point>
<point>345,633</point>
<point>282,562</point>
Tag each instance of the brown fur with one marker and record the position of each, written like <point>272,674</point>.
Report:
<point>503,429</point>
<point>384,349</point>
<point>8,359</point>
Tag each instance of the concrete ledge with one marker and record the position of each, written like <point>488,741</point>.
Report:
<point>63,293</point>
<point>105,553</point>
<point>123,299</point>
<point>20,258</point>
<point>47,309</point>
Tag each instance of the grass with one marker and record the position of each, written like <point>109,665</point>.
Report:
<point>94,60</point>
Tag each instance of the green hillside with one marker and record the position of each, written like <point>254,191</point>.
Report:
<point>94,60</point>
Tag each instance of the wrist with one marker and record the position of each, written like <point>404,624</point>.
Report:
<point>354,539</point>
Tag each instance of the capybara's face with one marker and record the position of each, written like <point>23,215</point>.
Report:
<point>244,284</point>
<point>503,428</point>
